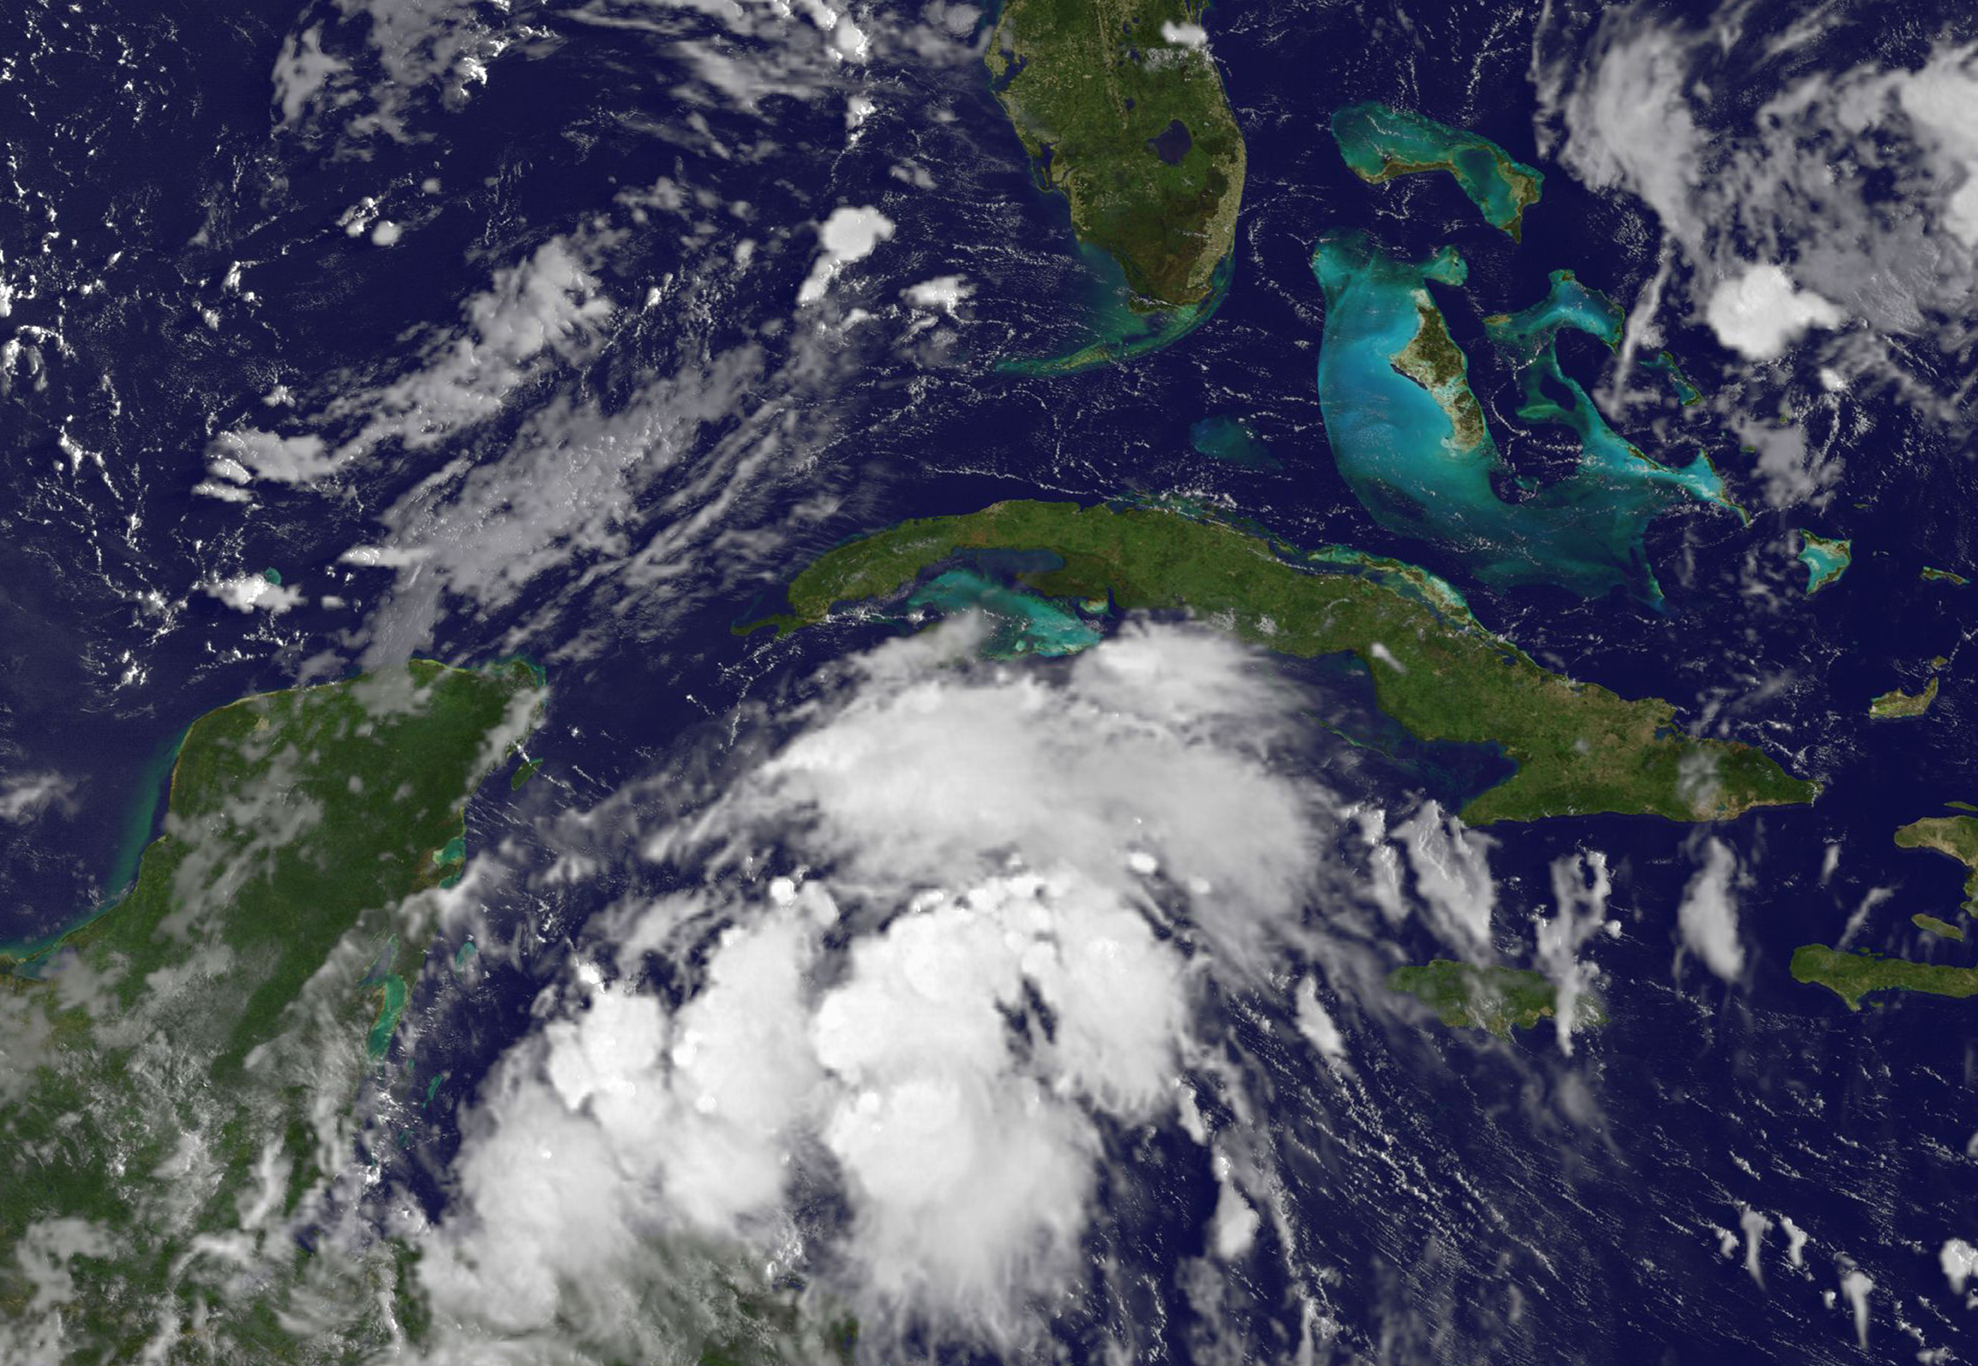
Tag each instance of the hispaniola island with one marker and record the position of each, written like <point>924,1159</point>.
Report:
<point>1012,683</point>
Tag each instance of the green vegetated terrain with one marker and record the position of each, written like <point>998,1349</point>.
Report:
<point>1381,143</point>
<point>1433,360</point>
<point>1123,111</point>
<point>1933,575</point>
<point>1956,836</point>
<point>1852,976</point>
<point>1579,748</point>
<point>1498,999</point>
<point>1896,703</point>
<point>179,1064</point>
<point>1943,929</point>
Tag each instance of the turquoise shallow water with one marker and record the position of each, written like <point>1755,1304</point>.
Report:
<point>391,1003</point>
<point>1021,624</point>
<point>1398,448</point>
<point>1825,560</point>
<point>1376,140</point>
<point>1117,331</point>
<point>1230,439</point>
<point>1666,365</point>
<point>140,824</point>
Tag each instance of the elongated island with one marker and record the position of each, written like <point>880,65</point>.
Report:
<point>1896,704</point>
<point>1493,998</point>
<point>1381,143</point>
<point>1579,748</point>
<point>1852,976</point>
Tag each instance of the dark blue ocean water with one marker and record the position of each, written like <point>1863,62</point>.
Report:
<point>1467,1201</point>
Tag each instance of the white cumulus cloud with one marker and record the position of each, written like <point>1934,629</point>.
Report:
<point>1960,1262</point>
<point>1025,874</point>
<point>1762,311</point>
<point>1802,190</point>
<point>1186,35</point>
<point>1708,917</point>
<point>848,235</point>
<point>23,796</point>
<point>252,593</point>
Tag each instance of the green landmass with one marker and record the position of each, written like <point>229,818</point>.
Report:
<point>1942,928</point>
<point>1956,836</point>
<point>1381,143</point>
<point>1897,703</point>
<point>1852,976</point>
<point>181,1060</point>
<point>1433,360</point>
<point>1579,748</point>
<point>1122,110</point>
<point>1931,575</point>
<point>1825,560</point>
<point>1466,996</point>
<point>523,773</point>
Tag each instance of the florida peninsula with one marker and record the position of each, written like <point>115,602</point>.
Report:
<point>1123,111</point>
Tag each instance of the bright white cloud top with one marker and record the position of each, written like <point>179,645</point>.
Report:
<point>1023,883</point>
<point>1762,311</point>
<point>848,235</point>
<point>1708,916</point>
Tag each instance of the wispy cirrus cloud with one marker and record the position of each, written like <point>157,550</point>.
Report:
<point>1822,198</point>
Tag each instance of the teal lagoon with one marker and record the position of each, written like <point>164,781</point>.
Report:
<point>1379,142</point>
<point>1825,560</point>
<point>391,1004</point>
<point>1020,623</point>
